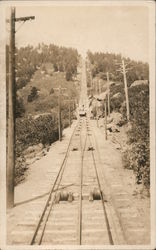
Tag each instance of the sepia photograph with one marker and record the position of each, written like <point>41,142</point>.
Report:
<point>77,126</point>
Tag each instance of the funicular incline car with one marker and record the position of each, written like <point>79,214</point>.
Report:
<point>82,112</point>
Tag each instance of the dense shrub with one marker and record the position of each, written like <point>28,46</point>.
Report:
<point>51,91</point>
<point>139,152</point>
<point>43,129</point>
<point>31,131</point>
<point>33,95</point>
<point>116,103</point>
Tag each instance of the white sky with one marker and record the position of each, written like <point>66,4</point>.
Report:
<point>119,29</point>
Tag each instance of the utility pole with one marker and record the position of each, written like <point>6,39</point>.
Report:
<point>108,94</point>
<point>69,108</point>
<point>97,115</point>
<point>93,86</point>
<point>11,115</point>
<point>99,87</point>
<point>11,109</point>
<point>91,83</point>
<point>69,114</point>
<point>105,104</point>
<point>59,112</point>
<point>126,89</point>
<point>124,70</point>
<point>59,115</point>
<point>96,86</point>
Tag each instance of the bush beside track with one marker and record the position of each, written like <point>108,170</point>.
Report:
<point>137,153</point>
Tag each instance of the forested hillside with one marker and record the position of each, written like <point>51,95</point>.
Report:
<point>40,71</point>
<point>136,156</point>
<point>109,62</point>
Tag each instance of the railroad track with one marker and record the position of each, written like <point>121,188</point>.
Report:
<point>77,215</point>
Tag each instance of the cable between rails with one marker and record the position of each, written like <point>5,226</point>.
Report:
<point>50,193</point>
<point>102,198</point>
<point>98,153</point>
<point>81,183</point>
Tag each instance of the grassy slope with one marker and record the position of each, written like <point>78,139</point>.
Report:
<point>44,83</point>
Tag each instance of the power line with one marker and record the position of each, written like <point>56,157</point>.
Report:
<point>11,109</point>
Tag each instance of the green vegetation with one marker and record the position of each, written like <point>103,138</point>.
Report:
<point>139,133</point>
<point>32,131</point>
<point>29,59</point>
<point>39,72</point>
<point>137,155</point>
<point>33,95</point>
<point>40,95</point>
<point>103,62</point>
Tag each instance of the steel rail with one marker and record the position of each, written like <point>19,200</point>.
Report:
<point>118,215</point>
<point>53,202</point>
<point>81,184</point>
<point>51,191</point>
<point>102,199</point>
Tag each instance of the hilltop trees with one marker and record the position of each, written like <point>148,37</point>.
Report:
<point>63,59</point>
<point>29,59</point>
<point>103,62</point>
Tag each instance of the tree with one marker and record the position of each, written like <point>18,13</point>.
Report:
<point>68,75</point>
<point>33,95</point>
<point>20,109</point>
<point>55,67</point>
<point>51,91</point>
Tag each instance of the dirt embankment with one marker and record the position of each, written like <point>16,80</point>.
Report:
<point>117,133</point>
<point>138,194</point>
<point>29,156</point>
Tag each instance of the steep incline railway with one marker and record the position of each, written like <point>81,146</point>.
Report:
<point>76,194</point>
<point>77,210</point>
<point>75,214</point>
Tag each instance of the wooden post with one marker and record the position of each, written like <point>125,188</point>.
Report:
<point>10,170</point>
<point>97,115</point>
<point>105,104</point>
<point>93,86</point>
<point>11,115</point>
<point>11,110</point>
<point>91,79</point>
<point>99,87</point>
<point>96,83</point>
<point>59,111</point>
<point>59,114</point>
<point>108,95</point>
<point>126,89</point>
<point>69,115</point>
